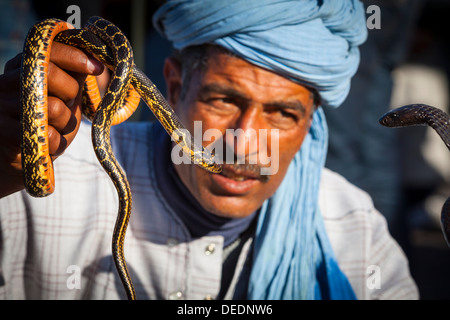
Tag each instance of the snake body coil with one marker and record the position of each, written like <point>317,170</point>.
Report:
<point>422,114</point>
<point>104,40</point>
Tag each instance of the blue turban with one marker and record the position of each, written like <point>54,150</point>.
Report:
<point>313,42</point>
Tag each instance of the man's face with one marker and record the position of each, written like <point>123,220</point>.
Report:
<point>273,113</point>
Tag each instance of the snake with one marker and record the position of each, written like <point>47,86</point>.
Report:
<point>423,114</point>
<point>127,87</point>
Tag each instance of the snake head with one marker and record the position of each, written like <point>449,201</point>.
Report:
<point>391,119</point>
<point>409,115</point>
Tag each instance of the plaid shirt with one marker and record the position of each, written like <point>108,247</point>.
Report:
<point>59,247</point>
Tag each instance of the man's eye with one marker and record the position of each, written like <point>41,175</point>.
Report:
<point>220,105</point>
<point>224,100</point>
<point>221,101</point>
<point>283,114</point>
<point>282,119</point>
<point>287,114</point>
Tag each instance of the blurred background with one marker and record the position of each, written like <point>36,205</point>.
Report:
<point>404,61</point>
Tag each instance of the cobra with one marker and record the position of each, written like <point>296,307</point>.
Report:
<point>422,114</point>
<point>128,84</point>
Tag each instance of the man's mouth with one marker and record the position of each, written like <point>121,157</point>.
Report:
<point>238,179</point>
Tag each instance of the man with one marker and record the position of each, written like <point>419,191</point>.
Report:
<point>287,229</point>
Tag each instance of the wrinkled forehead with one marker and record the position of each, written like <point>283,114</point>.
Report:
<point>211,56</point>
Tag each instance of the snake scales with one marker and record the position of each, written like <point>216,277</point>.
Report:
<point>422,114</point>
<point>106,42</point>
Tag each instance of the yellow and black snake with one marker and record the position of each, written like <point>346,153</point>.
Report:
<point>105,41</point>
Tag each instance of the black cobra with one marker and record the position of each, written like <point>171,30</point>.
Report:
<point>422,114</point>
<point>104,40</point>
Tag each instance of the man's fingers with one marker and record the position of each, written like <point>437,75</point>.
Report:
<point>61,117</point>
<point>67,71</point>
<point>57,142</point>
<point>64,122</point>
<point>61,84</point>
<point>73,59</point>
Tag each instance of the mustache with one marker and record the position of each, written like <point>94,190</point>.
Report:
<point>245,169</point>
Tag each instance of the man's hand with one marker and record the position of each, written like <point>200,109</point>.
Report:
<point>67,71</point>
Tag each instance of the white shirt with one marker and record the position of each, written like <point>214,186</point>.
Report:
<point>59,247</point>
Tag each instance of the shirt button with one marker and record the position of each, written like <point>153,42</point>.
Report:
<point>177,295</point>
<point>172,242</point>
<point>209,250</point>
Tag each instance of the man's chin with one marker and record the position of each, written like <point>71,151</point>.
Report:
<point>229,207</point>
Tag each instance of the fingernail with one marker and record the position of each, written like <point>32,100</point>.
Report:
<point>94,66</point>
<point>70,103</point>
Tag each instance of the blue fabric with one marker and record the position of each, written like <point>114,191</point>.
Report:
<point>315,43</point>
<point>331,283</point>
<point>293,258</point>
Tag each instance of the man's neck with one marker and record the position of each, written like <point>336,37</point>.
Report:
<point>197,220</point>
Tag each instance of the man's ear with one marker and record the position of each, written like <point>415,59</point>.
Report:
<point>173,77</point>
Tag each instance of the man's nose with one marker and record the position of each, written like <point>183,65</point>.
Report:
<point>243,137</point>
